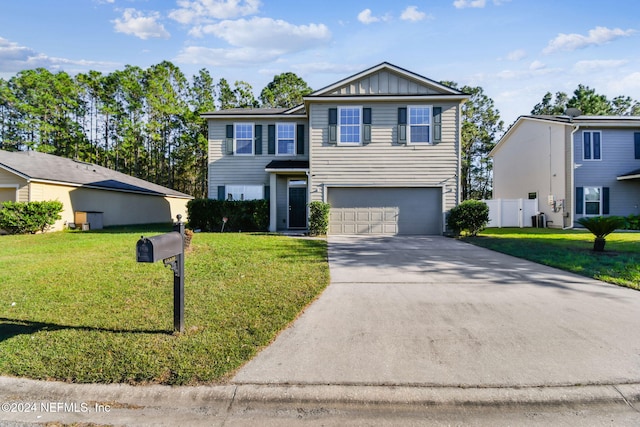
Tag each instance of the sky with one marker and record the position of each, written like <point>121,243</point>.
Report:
<point>516,50</point>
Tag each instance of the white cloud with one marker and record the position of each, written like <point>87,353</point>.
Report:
<point>15,58</point>
<point>628,85</point>
<point>596,37</point>
<point>462,4</point>
<point>135,23</point>
<point>267,33</point>
<point>245,56</point>
<point>516,55</point>
<point>411,13</point>
<point>197,11</point>
<point>592,65</point>
<point>366,18</point>
<point>536,65</point>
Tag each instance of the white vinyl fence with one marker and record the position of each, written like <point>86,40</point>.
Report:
<point>511,212</point>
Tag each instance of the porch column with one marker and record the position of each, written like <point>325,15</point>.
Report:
<point>272,203</point>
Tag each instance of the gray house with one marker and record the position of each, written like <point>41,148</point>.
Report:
<point>382,147</point>
<point>574,166</point>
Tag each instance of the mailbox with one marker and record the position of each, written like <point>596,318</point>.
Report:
<point>157,248</point>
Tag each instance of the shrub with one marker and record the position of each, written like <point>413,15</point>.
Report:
<point>470,216</point>
<point>318,218</point>
<point>601,226</point>
<point>29,217</point>
<point>632,222</point>
<point>247,215</point>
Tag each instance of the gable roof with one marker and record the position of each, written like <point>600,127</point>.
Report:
<point>578,121</point>
<point>36,166</point>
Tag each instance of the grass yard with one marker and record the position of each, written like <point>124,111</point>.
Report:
<point>76,306</point>
<point>570,250</point>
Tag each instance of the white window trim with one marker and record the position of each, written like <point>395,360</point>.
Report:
<point>584,200</point>
<point>360,125</point>
<point>235,139</point>
<point>409,108</point>
<point>295,141</point>
<point>583,153</point>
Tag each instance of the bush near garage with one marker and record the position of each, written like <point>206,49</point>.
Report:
<point>470,216</point>
<point>29,217</point>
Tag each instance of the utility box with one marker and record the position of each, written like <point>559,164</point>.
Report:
<point>88,220</point>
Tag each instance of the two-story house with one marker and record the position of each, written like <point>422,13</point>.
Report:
<point>575,166</point>
<point>382,147</point>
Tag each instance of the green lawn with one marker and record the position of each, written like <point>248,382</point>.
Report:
<point>570,250</point>
<point>75,306</point>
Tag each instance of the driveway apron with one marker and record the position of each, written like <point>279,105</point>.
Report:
<point>433,311</point>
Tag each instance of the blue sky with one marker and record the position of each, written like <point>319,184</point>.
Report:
<point>516,50</point>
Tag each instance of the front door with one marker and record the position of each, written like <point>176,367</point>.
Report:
<point>297,207</point>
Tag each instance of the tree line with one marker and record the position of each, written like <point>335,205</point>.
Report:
<point>146,122</point>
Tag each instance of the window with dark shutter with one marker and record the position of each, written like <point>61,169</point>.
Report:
<point>228,142</point>
<point>605,200</point>
<point>579,200</point>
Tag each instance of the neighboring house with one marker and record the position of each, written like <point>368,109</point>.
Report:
<point>575,166</point>
<point>382,147</point>
<point>86,191</point>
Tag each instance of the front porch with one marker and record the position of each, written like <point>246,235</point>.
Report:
<point>288,195</point>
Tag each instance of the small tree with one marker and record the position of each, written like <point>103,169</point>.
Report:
<point>470,216</point>
<point>601,226</point>
<point>318,218</point>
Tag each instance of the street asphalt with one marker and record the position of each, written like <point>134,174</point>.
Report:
<point>422,328</point>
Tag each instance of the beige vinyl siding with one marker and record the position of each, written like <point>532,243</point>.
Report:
<point>227,169</point>
<point>383,83</point>
<point>11,182</point>
<point>384,162</point>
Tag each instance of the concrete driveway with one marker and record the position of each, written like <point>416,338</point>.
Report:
<point>432,311</point>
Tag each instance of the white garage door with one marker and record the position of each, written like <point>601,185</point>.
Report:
<point>385,210</point>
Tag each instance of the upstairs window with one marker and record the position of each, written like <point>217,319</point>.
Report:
<point>286,138</point>
<point>350,125</point>
<point>591,145</point>
<point>243,142</point>
<point>419,125</point>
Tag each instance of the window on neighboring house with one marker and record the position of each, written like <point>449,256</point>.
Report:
<point>244,192</point>
<point>592,201</point>
<point>243,142</point>
<point>419,125</point>
<point>591,145</point>
<point>286,138</point>
<point>349,125</point>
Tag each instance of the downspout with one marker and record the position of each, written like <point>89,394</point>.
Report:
<point>572,189</point>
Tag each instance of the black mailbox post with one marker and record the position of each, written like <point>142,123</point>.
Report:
<point>169,248</point>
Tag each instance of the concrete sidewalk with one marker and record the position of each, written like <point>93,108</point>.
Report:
<point>410,329</point>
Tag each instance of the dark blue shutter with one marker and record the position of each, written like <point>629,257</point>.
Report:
<point>437,124</point>
<point>229,131</point>
<point>586,143</point>
<point>221,192</point>
<point>636,142</point>
<point>596,146</point>
<point>605,200</point>
<point>366,125</point>
<point>300,139</point>
<point>333,125</point>
<point>579,200</point>
<point>366,116</point>
<point>258,139</point>
<point>267,192</point>
<point>402,125</point>
<point>228,142</point>
<point>271,139</point>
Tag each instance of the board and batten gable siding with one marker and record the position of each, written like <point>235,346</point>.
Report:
<point>230,169</point>
<point>617,158</point>
<point>10,180</point>
<point>384,83</point>
<point>384,161</point>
